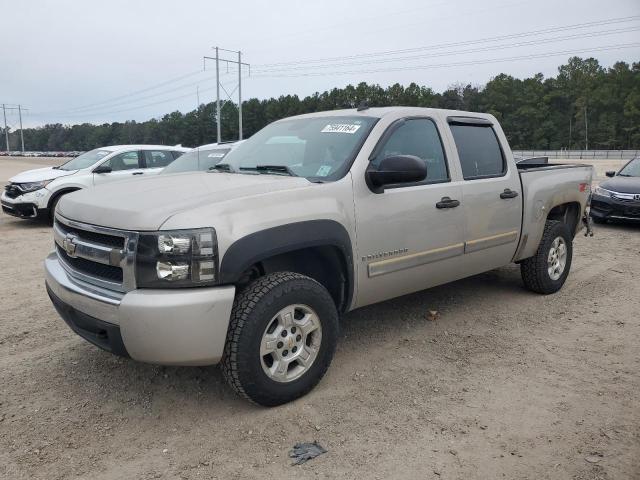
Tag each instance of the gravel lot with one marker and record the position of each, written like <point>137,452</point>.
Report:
<point>504,384</point>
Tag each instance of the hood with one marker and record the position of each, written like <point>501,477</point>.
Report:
<point>146,203</point>
<point>40,174</point>
<point>622,184</point>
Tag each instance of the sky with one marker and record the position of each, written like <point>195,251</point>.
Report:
<point>75,61</point>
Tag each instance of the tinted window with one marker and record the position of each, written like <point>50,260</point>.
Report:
<point>157,158</point>
<point>479,151</point>
<point>418,137</point>
<point>123,161</point>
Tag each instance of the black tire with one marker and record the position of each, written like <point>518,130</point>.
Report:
<point>253,310</point>
<point>534,270</point>
<point>52,207</point>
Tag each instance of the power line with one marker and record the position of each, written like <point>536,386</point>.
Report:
<point>452,64</point>
<point>362,20</point>
<point>131,94</point>
<point>138,107</point>
<point>458,52</point>
<point>597,23</point>
<point>137,99</point>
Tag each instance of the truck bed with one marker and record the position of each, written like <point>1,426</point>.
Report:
<point>544,185</point>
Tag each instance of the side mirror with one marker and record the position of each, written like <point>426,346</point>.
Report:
<point>102,169</point>
<point>610,174</point>
<point>396,169</point>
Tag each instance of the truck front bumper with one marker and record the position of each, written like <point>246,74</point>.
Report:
<point>169,327</point>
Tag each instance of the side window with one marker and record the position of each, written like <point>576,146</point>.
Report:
<point>418,137</point>
<point>176,154</point>
<point>123,161</point>
<point>157,158</point>
<point>479,151</point>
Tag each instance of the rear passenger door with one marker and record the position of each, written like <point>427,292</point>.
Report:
<point>492,200</point>
<point>156,160</point>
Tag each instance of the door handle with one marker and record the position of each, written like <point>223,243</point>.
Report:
<point>508,193</point>
<point>447,202</point>
<point>137,173</point>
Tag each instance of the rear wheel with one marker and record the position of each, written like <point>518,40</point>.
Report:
<point>281,339</point>
<point>548,269</point>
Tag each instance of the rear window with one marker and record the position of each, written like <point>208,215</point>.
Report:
<point>479,151</point>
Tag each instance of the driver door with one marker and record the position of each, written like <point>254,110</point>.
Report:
<point>410,237</point>
<point>123,165</point>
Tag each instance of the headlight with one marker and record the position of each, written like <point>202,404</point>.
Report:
<point>178,258</point>
<point>602,192</point>
<point>33,186</point>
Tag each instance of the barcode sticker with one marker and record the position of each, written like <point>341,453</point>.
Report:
<point>341,128</point>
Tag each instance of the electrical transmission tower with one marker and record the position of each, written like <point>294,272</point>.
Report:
<point>20,109</point>
<point>219,85</point>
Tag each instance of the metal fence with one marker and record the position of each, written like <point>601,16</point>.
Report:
<point>580,154</point>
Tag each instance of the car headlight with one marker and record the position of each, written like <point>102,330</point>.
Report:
<point>602,192</point>
<point>33,186</point>
<point>177,258</point>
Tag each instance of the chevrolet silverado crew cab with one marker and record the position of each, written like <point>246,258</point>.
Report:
<point>251,264</point>
<point>35,193</point>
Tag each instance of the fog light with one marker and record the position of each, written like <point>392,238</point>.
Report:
<point>172,271</point>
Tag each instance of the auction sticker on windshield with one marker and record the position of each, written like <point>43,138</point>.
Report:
<point>341,128</point>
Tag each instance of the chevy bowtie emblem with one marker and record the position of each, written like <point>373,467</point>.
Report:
<point>69,245</point>
<point>636,197</point>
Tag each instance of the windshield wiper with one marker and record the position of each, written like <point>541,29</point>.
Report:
<point>224,167</point>
<point>279,169</point>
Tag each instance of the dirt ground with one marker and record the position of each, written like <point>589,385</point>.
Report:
<point>504,384</point>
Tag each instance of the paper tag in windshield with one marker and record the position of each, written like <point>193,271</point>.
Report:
<point>215,155</point>
<point>323,171</point>
<point>349,128</point>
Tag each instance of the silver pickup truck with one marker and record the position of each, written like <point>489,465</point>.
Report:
<point>251,263</point>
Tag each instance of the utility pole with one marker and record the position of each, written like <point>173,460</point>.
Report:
<point>239,95</point>
<point>570,134</point>
<point>6,132</point>
<point>218,95</point>
<point>240,64</point>
<point>21,135</point>
<point>586,130</point>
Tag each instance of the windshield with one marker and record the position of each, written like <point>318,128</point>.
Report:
<point>197,160</point>
<point>85,160</point>
<point>317,148</point>
<point>631,169</point>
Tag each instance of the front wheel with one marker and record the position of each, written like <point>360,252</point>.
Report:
<point>281,338</point>
<point>548,269</point>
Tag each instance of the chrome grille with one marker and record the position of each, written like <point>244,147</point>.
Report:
<point>98,255</point>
